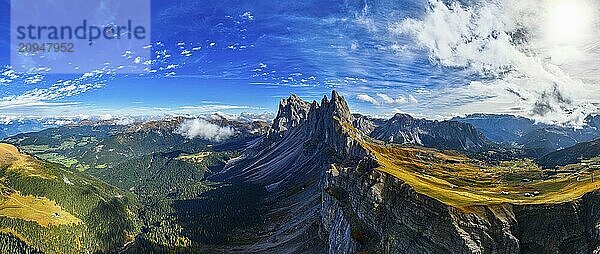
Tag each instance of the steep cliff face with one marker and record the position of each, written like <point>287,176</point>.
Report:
<point>366,210</point>
<point>363,209</point>
<point>380,213</point>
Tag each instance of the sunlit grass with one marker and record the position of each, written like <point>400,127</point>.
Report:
<point>37,209</point>
<point>14,161</point>
<point>196,158</point>
<point>14,205</point>
<point>459,181</point>
<point>57,158</point>
<point>101,166</point>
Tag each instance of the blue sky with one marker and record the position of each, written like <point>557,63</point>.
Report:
<point>426,58</point>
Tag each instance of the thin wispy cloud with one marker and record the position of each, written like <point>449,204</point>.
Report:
<point>384,99</point>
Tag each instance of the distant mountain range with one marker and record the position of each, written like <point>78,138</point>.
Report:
<point>14,127</point>
<point>571,155</point>
<point>472,133</point>
<point>451,135</point>
<point>535,139</point>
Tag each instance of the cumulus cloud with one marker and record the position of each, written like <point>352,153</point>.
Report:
<point>519,51</point>
<point>199,128</point>
<point>367,98</point>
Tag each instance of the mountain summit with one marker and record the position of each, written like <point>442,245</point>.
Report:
<point>292,111</point>
<point>290,162</point>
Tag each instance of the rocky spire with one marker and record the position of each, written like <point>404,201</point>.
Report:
<point>340,107</point>
<point>292,111</point>
<point>306,137</point>
<point>318,123</point>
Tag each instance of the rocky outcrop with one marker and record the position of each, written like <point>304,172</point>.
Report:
<point>292,111</point>
<point>366,124</point>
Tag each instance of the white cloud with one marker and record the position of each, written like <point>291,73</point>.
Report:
<point>412,99</point>
<point>34,104</point>
<point>367,98</point>
<point>389,100</point>
<point>199,128</point>
<point>105,117</point>
<point>524,60</point>
<point>11,74</point>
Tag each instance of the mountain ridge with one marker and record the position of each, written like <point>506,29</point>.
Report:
<point>535,139</point>
<point>453,135</point>
<point>571,155</point>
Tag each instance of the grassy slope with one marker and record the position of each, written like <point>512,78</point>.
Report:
<point>461,182</point>
<point>57,210</point>
<point>37,209</point>
<point>27,207</point>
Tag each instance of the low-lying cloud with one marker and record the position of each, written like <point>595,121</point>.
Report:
<point>200,128</point>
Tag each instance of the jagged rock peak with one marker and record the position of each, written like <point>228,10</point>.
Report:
<point>405,129</point>
<point>292,111</point>
<point>336,107</point>
<point>341,108</point>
